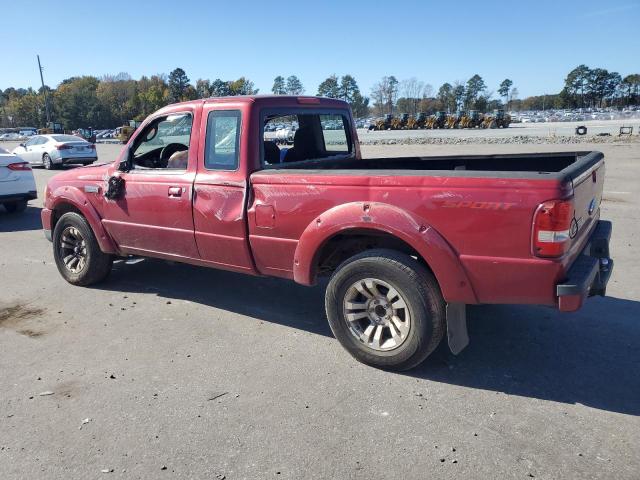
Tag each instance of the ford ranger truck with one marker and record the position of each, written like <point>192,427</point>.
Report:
<point>406,242</point>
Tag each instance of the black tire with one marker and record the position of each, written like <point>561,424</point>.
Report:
<point>47,163</point>
<point>97,264</point>
<point>16,207</point>
<point>417,287</point>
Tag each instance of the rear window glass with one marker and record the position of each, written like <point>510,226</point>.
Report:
<point>67,138</point>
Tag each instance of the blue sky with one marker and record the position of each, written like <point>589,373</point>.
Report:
<point>535,43</point>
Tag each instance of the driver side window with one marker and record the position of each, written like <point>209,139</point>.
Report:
<point>164,143</point>
<point>32,141</point>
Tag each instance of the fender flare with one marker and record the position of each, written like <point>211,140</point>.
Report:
<point>424,239</point>
<point>75,197</point>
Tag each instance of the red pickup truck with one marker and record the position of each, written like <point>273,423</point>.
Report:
<point>406,242</point>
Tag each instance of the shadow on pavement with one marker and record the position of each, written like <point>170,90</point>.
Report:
<point>264,298</point>
<point>20,222</point>
<point>591,357</point>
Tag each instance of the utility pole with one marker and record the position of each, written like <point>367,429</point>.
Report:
<point>44,90</point>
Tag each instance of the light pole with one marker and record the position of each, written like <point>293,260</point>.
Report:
<point>44,90</point>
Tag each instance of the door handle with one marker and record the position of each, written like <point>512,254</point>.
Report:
<point>175,191</point>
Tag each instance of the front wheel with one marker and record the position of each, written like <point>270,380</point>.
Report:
<point>386,309</point>
<point>77,253</point>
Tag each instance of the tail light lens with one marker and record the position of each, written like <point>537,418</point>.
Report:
<point>551,228</point>
<point>21,166</point>
<point>62,146</point>
<point>92,146</point>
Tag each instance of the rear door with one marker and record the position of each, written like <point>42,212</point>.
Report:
<point>219,211</point>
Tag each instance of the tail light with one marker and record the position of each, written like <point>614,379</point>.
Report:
<point>20,167</point>
<point>551,228</point>
<point>92,146</point>
<point>62,146</point>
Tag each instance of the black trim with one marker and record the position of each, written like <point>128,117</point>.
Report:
<point>591,271</point>
<point>584,161</point>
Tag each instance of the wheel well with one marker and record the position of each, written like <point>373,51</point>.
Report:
<point>60,210</point>
<point>345,245</point>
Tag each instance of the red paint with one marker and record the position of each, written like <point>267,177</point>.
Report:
<point>475,233</point>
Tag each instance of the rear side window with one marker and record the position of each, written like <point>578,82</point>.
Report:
<point>223,140</point>
<point>297,135</point>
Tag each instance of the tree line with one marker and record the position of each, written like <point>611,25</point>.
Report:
<point>111,100</point>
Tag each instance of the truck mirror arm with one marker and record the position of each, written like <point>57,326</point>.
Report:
<point>125,164</point>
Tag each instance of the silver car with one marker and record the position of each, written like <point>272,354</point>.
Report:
<point>54,150</point>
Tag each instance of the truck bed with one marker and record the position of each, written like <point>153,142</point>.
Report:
<point>559,166</point>
<point>483,205</point>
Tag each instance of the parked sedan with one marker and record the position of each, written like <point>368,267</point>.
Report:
<point>54,150</point>
<point>17,185</point>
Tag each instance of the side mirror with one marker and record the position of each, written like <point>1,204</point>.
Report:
<point>22,145</point>
<point>125,163</point>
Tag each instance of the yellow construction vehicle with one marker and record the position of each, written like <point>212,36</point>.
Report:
<point>400,123</point>
<point>496,120</point>
<point>436,121</point>
<point>453,121</point>
<point>472,119</point>
<point>383,123</point>
<point>87,133</point>
<point>417,122</point>
<point>124,132</point>
<point>52,127</point>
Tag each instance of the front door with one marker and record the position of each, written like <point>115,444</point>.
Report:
<point>154,216</point>
<point>31,149</point>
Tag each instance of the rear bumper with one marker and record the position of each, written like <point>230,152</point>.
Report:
<point>66,160</point>
<point>18,197</point>
<point>589,273</point>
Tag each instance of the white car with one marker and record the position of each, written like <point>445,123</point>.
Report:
<point>54,150</point>
<point>9,136</point>
<point>17,185</point>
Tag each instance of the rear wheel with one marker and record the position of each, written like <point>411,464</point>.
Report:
<point>77,253</point>
<point>15,207</point>
<point>46,161</point>
<point>386,309</point>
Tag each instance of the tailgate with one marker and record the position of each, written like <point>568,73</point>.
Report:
<point>587,195</point>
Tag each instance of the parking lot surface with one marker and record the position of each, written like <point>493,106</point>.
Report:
<point>173,371</point>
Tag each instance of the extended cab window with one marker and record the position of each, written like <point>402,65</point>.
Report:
<point>164,143</point>
<point>298,135</point>
<point>223,138</point>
